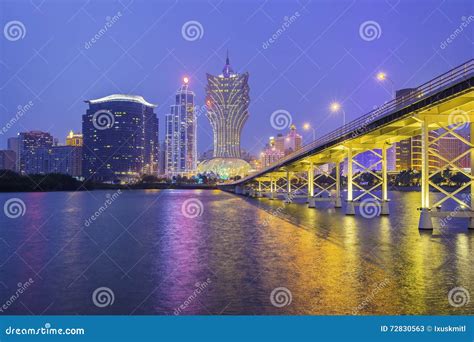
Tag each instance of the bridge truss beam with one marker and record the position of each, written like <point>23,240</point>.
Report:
<point>461,196</point>
<point>357,193</point>
<point>324,184</point>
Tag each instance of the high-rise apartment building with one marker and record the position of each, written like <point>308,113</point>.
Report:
<point>181,137</point>
<point>28,145</point>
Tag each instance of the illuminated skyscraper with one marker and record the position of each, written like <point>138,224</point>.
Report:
<point>181,138</point>
<point>227,104</point>
<point>120,138</point>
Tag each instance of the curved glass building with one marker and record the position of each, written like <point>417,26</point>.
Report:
<point>120,135</point>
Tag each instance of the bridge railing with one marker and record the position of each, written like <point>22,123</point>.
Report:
<point>358,126</point>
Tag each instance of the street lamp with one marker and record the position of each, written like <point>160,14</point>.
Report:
<point>307,126</point>
<point>382,77</point>
<point>335,108</point>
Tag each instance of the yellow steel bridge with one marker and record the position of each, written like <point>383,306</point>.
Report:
<point>444,104</point>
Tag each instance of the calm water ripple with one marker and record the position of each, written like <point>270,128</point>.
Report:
<point>208,252</point>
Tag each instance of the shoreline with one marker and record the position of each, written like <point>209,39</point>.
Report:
<point>166,186</point>
<point>121,187</point>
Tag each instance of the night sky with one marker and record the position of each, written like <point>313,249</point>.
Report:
<point>321,56</point>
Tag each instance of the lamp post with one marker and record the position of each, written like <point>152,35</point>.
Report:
<point>382,77</point>
<point>307,126</point>
<point>336,107</point>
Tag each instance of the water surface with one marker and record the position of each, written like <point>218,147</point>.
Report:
<point>154,258</point>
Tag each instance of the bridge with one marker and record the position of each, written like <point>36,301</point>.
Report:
<point>435,109</point>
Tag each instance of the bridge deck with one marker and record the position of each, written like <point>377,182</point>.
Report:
<point>394,121</point>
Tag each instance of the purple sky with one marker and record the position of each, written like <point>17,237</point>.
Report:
<point>321,56</point>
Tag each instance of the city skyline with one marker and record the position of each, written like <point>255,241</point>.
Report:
<point>306,162</point>
<point>344,72</point>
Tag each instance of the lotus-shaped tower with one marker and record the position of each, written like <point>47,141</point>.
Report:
<point>227,104</point>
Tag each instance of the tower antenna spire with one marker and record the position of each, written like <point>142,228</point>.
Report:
<point>227,58</point>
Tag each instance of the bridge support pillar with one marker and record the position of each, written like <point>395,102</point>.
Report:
<point>310,199</point>
<point>425,215</point>
<point>288,187</point>
<point>385,210</point>
<point>425,220</point>
<point>350,204</point>
<point>272,188</point>
<point>338,185</point>
<point>471,155</point>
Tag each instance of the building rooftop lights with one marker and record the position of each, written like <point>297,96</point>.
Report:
<point>122,97</point>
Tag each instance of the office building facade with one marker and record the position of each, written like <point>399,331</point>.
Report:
<point>28,145</point>
<point>120,135</point>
